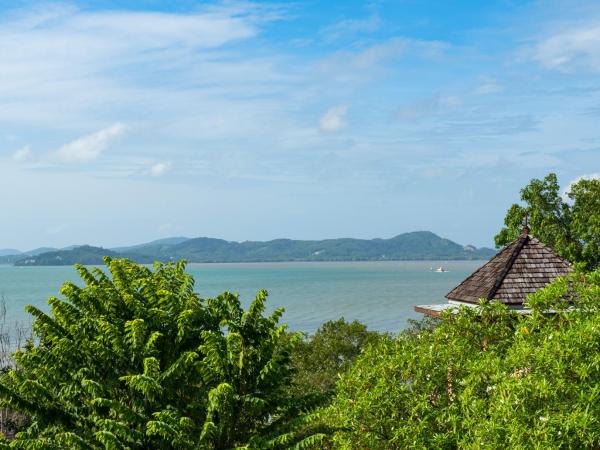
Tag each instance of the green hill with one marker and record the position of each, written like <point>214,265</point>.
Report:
<point>153,247</point>
<point>419,245</point>
<point>84,254</point>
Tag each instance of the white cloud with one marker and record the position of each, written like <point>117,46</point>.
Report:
<point>382,53</point>
<point>157,30</point>
<point>183,81</point>
<point>379,52</point>
<point>578,47</point>
<point>429,106</point>
<point>334,119</point>
<point>118,60</point>
<point>160,169</point>
<point>488,87</point>
<point>22,154</point>
<point>88,148</point>
<point>347,27</point>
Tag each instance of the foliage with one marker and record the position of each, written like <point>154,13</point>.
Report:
<point>321,358</point>
<point>585,219</point>
<point>486,377</point>
<point>13,335</point>
<point>138,360</point>
<point>572,228</point>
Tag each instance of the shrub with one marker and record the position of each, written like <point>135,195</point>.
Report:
<point>486,377</point>
<point>136,359</point>
<point>321,358</point>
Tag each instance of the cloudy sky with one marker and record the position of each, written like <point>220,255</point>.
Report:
<point>126,121</point>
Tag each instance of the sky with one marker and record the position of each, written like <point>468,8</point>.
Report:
<point>127,121</point>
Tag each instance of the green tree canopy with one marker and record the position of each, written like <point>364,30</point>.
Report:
<point>320,359</point>
<point>137,360</point>
<point>571,227</point>
<point>585,220</point>
<point>486,377</point>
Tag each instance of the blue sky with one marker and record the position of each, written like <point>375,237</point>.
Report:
<point>126,121</point>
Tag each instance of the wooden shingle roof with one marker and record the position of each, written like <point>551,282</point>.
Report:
<point>521,268</point>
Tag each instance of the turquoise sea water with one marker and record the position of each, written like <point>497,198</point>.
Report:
<point>379,294</point>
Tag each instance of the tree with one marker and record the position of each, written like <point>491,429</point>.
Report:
<point>138,360</point>
<point>321,358</point>
<point>486,377</point>
<point>585,219</point>
<point>571,228</point>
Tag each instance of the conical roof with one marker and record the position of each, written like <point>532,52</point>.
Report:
<point>519,269</point>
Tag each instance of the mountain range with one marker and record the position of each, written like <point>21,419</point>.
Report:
<point>418,245</point>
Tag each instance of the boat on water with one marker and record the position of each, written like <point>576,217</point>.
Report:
<point>441,269</point>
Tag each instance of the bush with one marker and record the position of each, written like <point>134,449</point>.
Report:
<point>137,360</point>
<point>320,359</point>
<point>483,378</point>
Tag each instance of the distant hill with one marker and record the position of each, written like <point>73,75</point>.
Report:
<point>419,245</point>
<point>9,251</point>
<point>83,254</point>
<point>152,247</point>
<point>14,255</point>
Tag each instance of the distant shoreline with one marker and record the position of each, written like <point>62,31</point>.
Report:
<point>413,246</point>
<point>381,261</point>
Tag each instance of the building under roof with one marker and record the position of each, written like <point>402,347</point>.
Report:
<point>519,269</point>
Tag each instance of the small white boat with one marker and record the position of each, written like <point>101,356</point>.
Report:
<point>441,269</point>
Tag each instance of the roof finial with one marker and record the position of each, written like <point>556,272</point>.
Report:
<point>526,224</point>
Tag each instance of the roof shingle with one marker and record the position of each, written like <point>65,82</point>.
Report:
<point>521,268</point>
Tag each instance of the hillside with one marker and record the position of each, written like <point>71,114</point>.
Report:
<point>12,255</point>
<point>153,247</point>
<point>419,245</point>
<point>84,254</point>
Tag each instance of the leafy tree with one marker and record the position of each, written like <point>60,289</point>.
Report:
<point>572,228</point>
<point>138,360</point>
<point>585,220</point>
<point>323,357</point>
<point>486,377</point>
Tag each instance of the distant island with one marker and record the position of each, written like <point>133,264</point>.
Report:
<point>418,245</point>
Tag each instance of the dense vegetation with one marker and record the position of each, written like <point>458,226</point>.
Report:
<point>409,246</point>
<point>137,360</point>
<point>322,358</point>
<point>570,226</point>
<point>484,378</point>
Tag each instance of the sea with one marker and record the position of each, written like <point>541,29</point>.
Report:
<point>379,294</point>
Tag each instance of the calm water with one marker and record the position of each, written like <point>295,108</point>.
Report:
<point>380,294</point>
